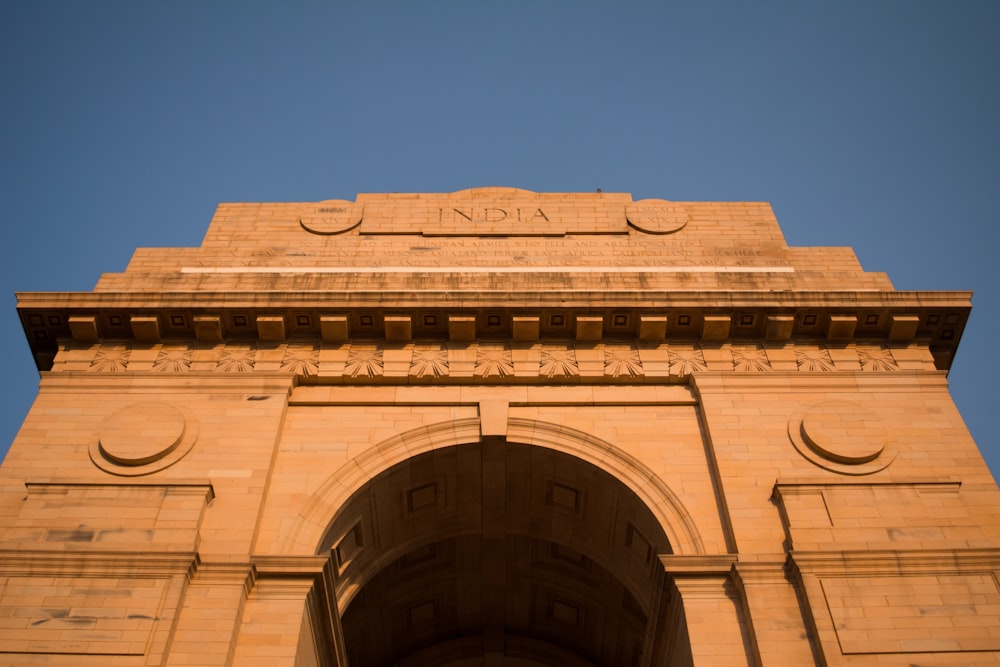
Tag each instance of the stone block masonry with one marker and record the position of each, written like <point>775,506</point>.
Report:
<point>490,427</point>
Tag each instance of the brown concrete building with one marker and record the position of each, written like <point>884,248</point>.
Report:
<point>496,427</point>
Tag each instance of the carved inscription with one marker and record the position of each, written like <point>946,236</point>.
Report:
<point>491,214</point>
<point>656,216</point>
<point>634,251</point>
<point>334,218</point>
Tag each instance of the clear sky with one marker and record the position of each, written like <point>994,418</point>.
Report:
<point>871,124</point>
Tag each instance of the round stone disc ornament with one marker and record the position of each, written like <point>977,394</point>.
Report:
<point>334,216</point>
<point>843,432</point>
<point>143,438</point>
<point>842,436</point>
<point>656,216</point>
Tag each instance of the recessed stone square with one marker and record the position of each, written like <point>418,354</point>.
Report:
<point>565,612</point>
<point>564,497</point>
<point>422,496</point>
<point>422,613</point>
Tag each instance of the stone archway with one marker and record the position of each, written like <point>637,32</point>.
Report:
<point>497,552</point>
<point>311,527</point>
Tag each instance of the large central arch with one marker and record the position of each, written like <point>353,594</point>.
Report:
<point>312,524</point>
<point>501,551</point>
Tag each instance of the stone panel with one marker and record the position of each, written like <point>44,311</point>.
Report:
<point>915,613</point>
<point>119,517</point>
<point>881,514</point>
<point>67,615</point>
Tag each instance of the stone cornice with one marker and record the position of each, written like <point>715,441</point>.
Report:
<point>198,489</point>
<point>932,319</point>
<point>877,561</point>
<point>485,298</point>
<point>24,562</point>
<point>698,565</point>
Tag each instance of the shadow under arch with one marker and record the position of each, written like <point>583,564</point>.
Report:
<point>316,518</point>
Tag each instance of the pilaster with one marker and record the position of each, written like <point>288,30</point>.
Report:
<point>712,610</point>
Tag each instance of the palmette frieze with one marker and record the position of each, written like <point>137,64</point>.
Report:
<point>622,361</point>
<point>237,359</point>
<point>558,362</point>
<point>493,361</point>
<point>685,361</point>
<point>877,359</point>
<point>429,361</point>
<point>300,359</point>
<point>816,359</point>
<point>490,362</point>
<point>173,359</point>
<point>111,359</point>
<point>750,360</point>
<point>364,361</point>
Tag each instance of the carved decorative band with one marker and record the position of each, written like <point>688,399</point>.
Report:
<point>475,362</point>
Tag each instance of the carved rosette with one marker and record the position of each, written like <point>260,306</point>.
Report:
<point>111,359</point>
<point>494,361</point>
<point>558,362</point>
<point>877,359</point>
<point>301,360</point>
<point>364,361</point>
<point>813,359</point>
<point>750,360</point>
<point>173,359</point>
<point>686,361</point>
<point>622,361</point>
<point>236,359</point>
<point>429,361</point>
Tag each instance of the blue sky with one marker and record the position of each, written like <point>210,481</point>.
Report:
<point>865,124</point>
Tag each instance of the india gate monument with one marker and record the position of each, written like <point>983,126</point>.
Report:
<point>496,428</point>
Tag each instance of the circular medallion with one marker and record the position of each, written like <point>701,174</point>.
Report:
<point>334,216</point>
<point>843,437</point>
<point>843,432</point>
<point>656,216</point>
<point>143,438</point>
<point>141,433</point>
